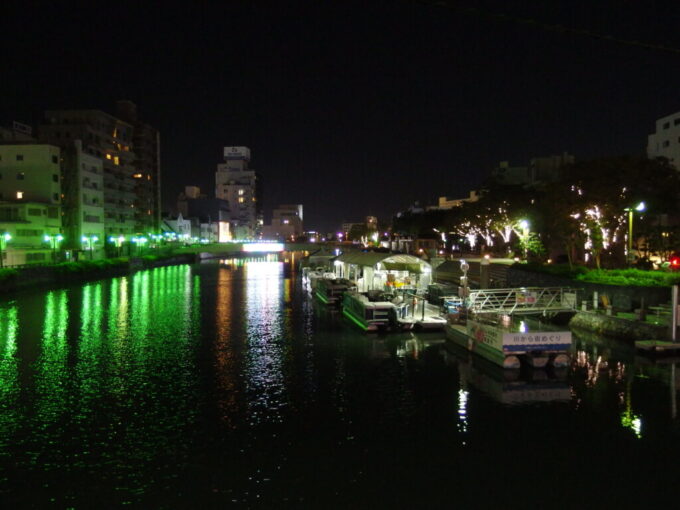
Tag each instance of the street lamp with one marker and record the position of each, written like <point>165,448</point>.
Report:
<point>640,207</point>
<point>4,239</point>
<point>118,241</point>
<point>139,242</point>
<point>89,241</point>
<point>54,241</point>
<point>524,225</point>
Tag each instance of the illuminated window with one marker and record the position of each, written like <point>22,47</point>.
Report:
<point>285,222</point>
<point>148,177</point>
<point>116,160</point>
<point>241,200</point>
<point>108,156</point>
<point>240,192</point>
<point>137,176</point>
<point>20,195</point>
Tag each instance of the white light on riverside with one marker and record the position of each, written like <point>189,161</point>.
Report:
<point>263,247</point>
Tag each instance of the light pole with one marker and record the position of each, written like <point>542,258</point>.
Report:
<point>524,225</point>
<point>4,239</point>
<point>640,207</point>
<point>139,242</point>
<point>89,241</point>
<point>54,241</point>
<point>118,241</point>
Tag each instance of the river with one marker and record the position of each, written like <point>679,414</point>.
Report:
<point>224,384</point>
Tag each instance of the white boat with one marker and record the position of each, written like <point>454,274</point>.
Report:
<point>377,312</point>
<point>504,342</point>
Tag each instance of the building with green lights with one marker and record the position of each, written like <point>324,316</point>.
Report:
<point>30,200</point>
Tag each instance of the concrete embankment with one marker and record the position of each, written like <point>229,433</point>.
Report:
<point>71,272</point>
<point>617,327</point>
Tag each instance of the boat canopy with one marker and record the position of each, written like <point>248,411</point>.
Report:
<point>390,261</point>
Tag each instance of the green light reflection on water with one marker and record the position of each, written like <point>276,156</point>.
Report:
<point>9,374</point>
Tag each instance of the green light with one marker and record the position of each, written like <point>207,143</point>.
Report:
<point>351,317</point>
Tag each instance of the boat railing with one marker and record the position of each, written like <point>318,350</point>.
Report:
<point>525,300</point>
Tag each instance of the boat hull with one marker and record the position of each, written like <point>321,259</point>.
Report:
<point>505,348</point>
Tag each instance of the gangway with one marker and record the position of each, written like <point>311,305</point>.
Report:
<point>524,300</point>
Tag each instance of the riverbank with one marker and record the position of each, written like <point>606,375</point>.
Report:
<point>15,279</point>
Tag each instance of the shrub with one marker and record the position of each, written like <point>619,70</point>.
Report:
<point>627,277</point>
<point>7,273</point>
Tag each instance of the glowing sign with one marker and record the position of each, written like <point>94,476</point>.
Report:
<point>223,233</point>
<point>263,247</point>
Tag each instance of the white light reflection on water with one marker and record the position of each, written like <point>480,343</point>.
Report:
<point>264,330</point>
<point>462,413</point>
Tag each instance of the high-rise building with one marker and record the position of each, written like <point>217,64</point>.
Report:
<point>147,146</point>
<point>110,139</point>
<point>665,142</point>
<point>236,183</point>
<point>83,202</point>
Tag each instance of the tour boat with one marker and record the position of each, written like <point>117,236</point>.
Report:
<point>368,315</point>
<point>330,290</point>
<point>507,340</point>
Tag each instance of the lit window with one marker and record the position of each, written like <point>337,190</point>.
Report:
<point>20,195</point>
<point>137,176</point>
<point>240,192</point>
<point>116,160</point>
<point>285,222</point>
<point>241,200</point>
<point>108,156</point>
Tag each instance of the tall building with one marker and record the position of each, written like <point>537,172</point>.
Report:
<point>540,170</point>
<point>236,183</point>
<point>30,200</point>
<point>665,142</point>
<point>83,202</point>
<point>110,139</point>
<point>147,146</point>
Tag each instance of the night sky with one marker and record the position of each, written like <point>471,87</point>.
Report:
<point>353,108</point>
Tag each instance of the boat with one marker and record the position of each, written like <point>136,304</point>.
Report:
<point>330,290</point>
<point>373,311</point>
<point>505,340</point>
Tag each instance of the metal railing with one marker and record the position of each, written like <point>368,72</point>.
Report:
<point>526,300</point>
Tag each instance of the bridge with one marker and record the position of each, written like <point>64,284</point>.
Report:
<point>524,300</point>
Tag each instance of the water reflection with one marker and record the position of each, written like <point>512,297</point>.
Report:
<point>266,345</point>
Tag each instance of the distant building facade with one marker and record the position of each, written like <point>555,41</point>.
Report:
<point>286,223</point>
<point>445,203</point>
<point>540,170</point>
<point>665,141</point>
<point>30,200</point>
<point>108,138</point>
<point>146,141</point>
<point>236,183</point>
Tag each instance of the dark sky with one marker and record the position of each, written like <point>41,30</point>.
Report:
<point>353,108</point>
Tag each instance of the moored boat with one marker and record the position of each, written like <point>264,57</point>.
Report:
<point>330,290</point>
<point>506,342</point>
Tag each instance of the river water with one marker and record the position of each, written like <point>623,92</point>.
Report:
<point>224,384</point>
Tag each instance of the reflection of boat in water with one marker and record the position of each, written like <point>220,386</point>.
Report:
<point>509,386</point>
<point>373,311</point>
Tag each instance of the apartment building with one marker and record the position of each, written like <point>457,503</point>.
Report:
<point>239,185</point>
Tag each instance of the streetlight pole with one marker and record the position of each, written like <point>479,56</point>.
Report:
<point>640,207</point>
<point>54,241</point>
<point>4,239</point>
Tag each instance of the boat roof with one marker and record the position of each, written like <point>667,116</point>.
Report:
<point>396,261</point>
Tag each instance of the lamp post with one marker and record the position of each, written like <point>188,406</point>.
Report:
<point>4,239</point>
<point>118,241</point>
<point>640,207</point>
<point>139,242</point>
<point>524,225</point>
<point>54,241</point>
<point>89,241</point>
